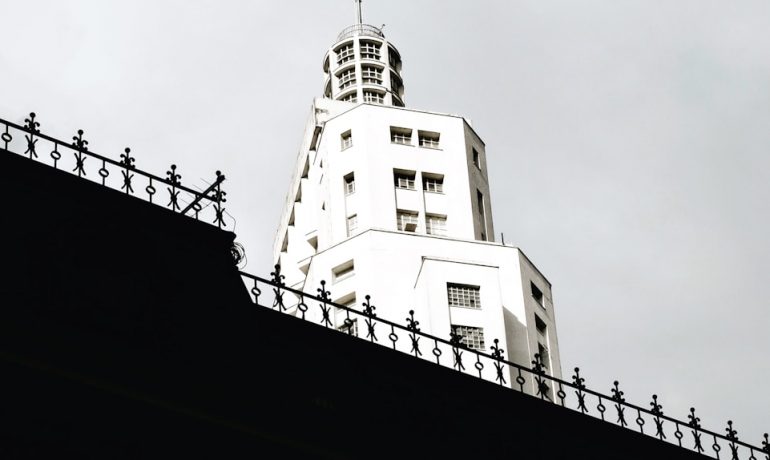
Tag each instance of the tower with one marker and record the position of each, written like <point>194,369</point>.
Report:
<point>394,203</point>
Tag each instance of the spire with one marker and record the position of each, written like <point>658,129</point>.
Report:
<point>359,16</point>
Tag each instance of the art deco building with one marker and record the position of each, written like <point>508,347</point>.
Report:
<point>394,202</point>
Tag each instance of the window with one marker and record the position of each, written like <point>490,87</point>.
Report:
<point>435,225</point>
<point>352,224</point>
<point>344,321</point>
<point>401,136</point>
<point>544,356</point>
<point>537,294</point>
<point>347,78</point>
<point>370,50</point>
<point>472,337</point>
<point>343,271</point>
<point>463,295</point>
<point>540,325</point>
<point>432,183</point>
<point>374,97</point>
<point>345,54</point>
<point>428,139</point>
<point>350,183</point>
<point>371,75</point>
<point>346,139</point>
<point>476,158</point>
<point>482,217</point>
<point>350,97</point>
<point>404,179</point>
<point>406,221</point>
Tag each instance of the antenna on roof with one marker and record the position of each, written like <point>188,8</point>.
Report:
<point>359,16</point>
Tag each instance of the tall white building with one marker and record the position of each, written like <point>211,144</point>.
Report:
<point>394,202</point>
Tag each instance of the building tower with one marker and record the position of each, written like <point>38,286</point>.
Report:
<point>394,202</point>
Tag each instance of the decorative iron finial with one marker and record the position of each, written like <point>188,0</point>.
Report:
<point>412,325</point>
<point>31,124</point>
<point>323,294</point>
<point>454,338</point>
<point>657,409</point>
<point>370,321</point>
<point>277,276</point>
<point>579,381</point>
<point>126,159</point>
<point>497,352</point>
<point>617,394</point>
<point>172,176</point>
<point>766,445</point>
<point>732,434</point>
<point>537,364</point>
<point>694,421</point>
<point>79,142</point>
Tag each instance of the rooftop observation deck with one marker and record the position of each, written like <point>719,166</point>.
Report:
<point>126,331</point>
<point>360,30</point>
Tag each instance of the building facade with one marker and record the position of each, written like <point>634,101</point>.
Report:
<point>394,203</point>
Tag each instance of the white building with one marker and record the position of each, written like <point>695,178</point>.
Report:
<point>394,202</point>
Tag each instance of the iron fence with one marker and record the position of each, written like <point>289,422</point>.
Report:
<point>364,30</point>
<point>533,380</point>
<point>122,175</point>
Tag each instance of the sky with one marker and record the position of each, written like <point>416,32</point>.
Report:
<point>627,143</point>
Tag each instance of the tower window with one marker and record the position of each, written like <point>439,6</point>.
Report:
<point>537,294</point>
<point>346,139</point>
<point>482,216</point>
<point>350,97</point>
<point>435,224</point>
<point>406,221</point>
<point>350,183</point>
<point>370,50</point>
<point>347,78</point>
<point>345,54</point>
<point>476,158</point>
<point>374,97</point>
<point>404,179</point>
<point>540,325</point>
<point>371,75</point>
<point>463,295</point>
<point>433,183</point>
<point>428,139</point>
<point>352,224</point>
<point>472,337</point>
<point>401,136</point>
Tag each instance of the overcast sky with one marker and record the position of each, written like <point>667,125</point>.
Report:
<point>628,144</point>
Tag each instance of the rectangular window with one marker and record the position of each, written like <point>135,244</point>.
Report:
<point>406,221</point>
<point>343,320</point>
<point>401,136</point>
<point>346,139</point>
<point>404,179</point>
<point>374,97</point>
<point>370,50</point>
<point>482,216</point>
<point>463,295</point>
<point>433,183</point>
<point>345,54</point>
<point>428,139</point>
<point>352,224</point>
<point>476,158</point>
<point>544,355</point>
<point>343,271</point>
<point>537,294</point>
<point>472,337</point>
<point>347,78</point>
<point>371,75</point>
<point>435,225</point>
<point>350,183</point>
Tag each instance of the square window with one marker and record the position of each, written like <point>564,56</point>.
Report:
<point>402,136</point>
<point>404,179</point>
<point>428,139</point>
<point>435,224</point>
<point>433,183</point>
<point>406,221</point>
<point>472,337</point>
<point>463,295</point>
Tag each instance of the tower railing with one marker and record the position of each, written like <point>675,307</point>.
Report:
<point>533,379</point>
<point>364,30</point>
<point>121,175</point>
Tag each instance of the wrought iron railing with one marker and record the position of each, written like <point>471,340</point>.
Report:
<point>360,30</point>
<point>181,199</point>
<point>534,381</point>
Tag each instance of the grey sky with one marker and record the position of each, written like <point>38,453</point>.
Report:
<point>627,142</point>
